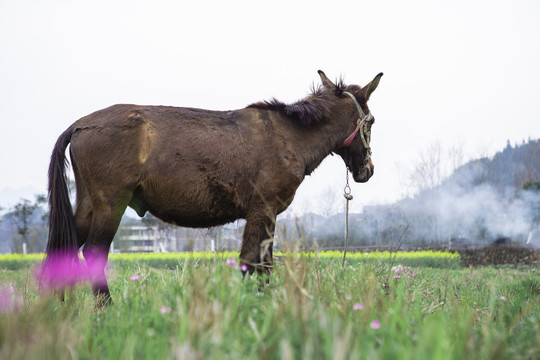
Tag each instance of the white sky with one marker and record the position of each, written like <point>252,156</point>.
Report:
<point>456,72</point>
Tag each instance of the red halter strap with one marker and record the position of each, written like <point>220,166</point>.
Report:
<point>364,135</point>
<point>351,137</point>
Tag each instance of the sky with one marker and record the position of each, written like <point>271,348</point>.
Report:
<point>463,74</point>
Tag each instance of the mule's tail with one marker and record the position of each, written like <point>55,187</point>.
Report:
<point>62,231</point>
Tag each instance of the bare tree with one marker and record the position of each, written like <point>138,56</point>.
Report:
<point>403,177</point>
<point>429,169</point>
<point>456,156</point>
<point>434,164</point>
<point>160,227</point>
<point>483,150</point>
<point>331,201</point>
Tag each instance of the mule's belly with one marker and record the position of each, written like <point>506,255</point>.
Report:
<point>190,204</point>
<point>196,213</point>
<point>195,220</point>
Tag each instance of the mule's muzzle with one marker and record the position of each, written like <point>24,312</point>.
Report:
<point>364,173</point>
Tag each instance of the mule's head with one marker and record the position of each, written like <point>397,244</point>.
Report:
<point>355,149</point>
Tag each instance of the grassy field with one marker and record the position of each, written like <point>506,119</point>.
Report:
<point>198,306</point>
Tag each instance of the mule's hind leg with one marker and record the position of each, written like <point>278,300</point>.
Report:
<point>105,220</point>
<point>83,216</point>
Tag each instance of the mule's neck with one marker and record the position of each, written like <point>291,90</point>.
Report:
<point>315,143</point>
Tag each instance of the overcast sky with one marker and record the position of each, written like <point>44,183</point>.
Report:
<point>456,72</point>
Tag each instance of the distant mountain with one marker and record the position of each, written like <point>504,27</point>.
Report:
<point>511,168</point>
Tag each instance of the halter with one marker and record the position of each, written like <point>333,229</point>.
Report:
<point>360,123</point>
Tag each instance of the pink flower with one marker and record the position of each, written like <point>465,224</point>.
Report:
<point>244,267</point>
<point>358,306</point>
<point>134,277</point>
<point>165,310</point>
<point>375,324</point>
<point>230,262</point>
<point>396,276</point>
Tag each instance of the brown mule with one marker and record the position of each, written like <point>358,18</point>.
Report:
<point>200,168</point>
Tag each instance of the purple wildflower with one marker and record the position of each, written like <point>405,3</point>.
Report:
<point>230,262</point>
<point>375,324</point>
<point>358,306</point>
<point>165,310</point>
<point>135,277</point>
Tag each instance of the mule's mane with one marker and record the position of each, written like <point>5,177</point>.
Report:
<point>310,110</point>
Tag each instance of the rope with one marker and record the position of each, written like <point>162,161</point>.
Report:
<point>360,125</point>
<point>348,197</point>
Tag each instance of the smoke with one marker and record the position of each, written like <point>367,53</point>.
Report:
<point>481,214</point>
<point>480,202</point>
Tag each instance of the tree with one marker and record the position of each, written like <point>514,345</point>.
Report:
<point>429,168</point>
<point>434,164</point>
<point>161,228</point>
<point>22,217</point>
<point>528,158</point>
<point>456,156</point>
<point>332,202</point>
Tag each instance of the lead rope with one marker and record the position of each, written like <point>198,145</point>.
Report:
<point>348,196</point>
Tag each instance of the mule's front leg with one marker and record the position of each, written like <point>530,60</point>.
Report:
<point>257,241</point>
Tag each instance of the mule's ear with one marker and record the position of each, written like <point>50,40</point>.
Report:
<point>369,88</point>
<point>326,82</point>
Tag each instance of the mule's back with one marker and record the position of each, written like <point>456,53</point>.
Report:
<point>187,166</point>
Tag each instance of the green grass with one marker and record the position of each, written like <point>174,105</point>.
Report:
<point>199,308</point>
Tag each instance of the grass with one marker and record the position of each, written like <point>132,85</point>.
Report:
<point>312,309</point>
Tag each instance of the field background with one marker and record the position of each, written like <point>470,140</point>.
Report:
<point>419,305</point>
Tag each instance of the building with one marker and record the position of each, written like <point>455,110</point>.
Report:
<point>134,237</point>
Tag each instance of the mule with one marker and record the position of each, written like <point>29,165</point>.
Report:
<point>200,168</point>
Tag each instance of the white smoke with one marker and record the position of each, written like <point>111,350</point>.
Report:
<point>482,213</point>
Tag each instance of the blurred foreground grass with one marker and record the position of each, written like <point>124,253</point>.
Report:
<point>200,307</point>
